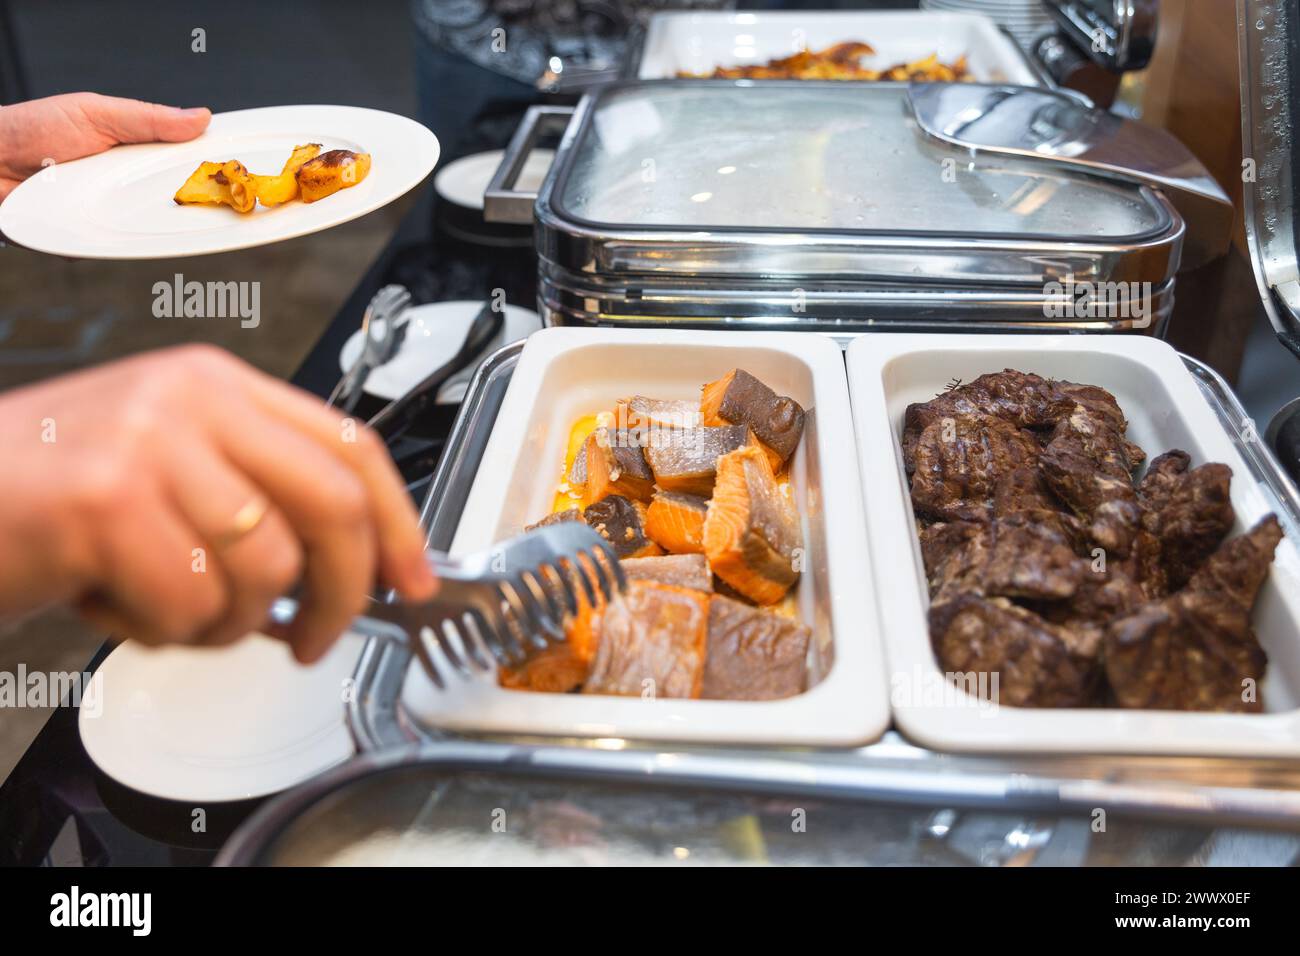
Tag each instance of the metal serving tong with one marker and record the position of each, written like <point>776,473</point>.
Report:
<point>398,414</point>
<point>381,337</point>
<point>510,600</point>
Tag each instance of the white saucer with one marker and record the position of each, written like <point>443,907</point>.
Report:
<point>118,204</point>
<point>437,332</point>
<point>222,724</point>
<point>464,180</point>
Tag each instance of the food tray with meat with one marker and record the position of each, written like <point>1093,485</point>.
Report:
<point>749,617</point>
<point>1093,567</point>
<point>699,43</point>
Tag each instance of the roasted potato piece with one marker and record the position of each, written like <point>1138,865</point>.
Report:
<point>330,172</point>
<point>226,183</point>
<point>274,190</point>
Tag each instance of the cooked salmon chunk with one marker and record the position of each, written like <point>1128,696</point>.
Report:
<point>616,465</point>
<point>753,654</point>
<point>686,460</point>
<point>751,532</point>
<point>652,643</point>
<point>675,522</point>
<point>648,415</point>
<point>680,570</point>
<point>555,517</point>
<point>560,668</point>
<point>621,522</point>
<point>738,398</point>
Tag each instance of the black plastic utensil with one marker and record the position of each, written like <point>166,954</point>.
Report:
<point>398,414</point>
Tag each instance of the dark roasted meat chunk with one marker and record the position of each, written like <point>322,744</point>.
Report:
<point>1026,401</point>
<point>1088,465</point>
<point>1196,650</point>
<point>1000,558</point>
<point>1188,512</point>
<point>1038,664</point>
<point>960,461</point>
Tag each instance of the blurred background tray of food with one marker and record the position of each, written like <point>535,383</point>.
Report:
<point>865,45</point>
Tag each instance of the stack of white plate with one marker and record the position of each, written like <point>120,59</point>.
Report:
<point>1024,19</point>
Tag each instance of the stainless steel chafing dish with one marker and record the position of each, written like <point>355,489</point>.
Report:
<point>822,206</point>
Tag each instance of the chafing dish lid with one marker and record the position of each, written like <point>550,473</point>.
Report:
<point>818,157</point>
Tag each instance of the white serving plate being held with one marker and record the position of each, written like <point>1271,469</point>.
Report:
<point>118,204</point>
<point>566,373</point>
<point>1165,410</point>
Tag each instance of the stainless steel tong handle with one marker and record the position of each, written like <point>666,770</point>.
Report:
<point>510,601</point>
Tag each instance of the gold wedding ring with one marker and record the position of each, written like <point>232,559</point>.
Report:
<point>246,519</point>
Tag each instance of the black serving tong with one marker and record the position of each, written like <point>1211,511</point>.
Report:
<point>395,417</point>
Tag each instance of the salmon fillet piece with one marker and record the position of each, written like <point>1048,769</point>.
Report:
<point>675,522</point>
<point>753,654</point>
<point>560,668</point>
<point>616,465</point>
<point>679,570</point>
<point>751,532</point>
<point>652,642</point>
<point>738,398</point>
<point>686,460</point>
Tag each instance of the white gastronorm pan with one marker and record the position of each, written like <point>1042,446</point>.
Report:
<point>1165,410</point>
<point>564,373</point>
<point>700,42</point>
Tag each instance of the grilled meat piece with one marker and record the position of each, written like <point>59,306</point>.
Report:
<point>1037,663</point>
<point>1162,477</point>
<point>999,558</point>
<point>738,398</point>
<point>1020,399</point>
<point>753,654</point>
<point>1087,464</point>
<point>1196,650</point>
<point>653,640</point>
<point>1188,512</point>
<point>959,462</point>
<point>1023,495</point>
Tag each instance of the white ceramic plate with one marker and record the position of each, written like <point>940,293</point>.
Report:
<point>699,42</point>
<point>437,332</point>
<point>221,724</point>
<point>1165,410</point>
<point>564,373</point>
<point>465,180</point>
<point>118,205</point>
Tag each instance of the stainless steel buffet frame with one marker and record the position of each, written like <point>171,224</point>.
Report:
<point>1219,791</point>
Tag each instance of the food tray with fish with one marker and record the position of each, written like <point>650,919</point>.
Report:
<point>719,466</point>
<point>1094,566</point>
